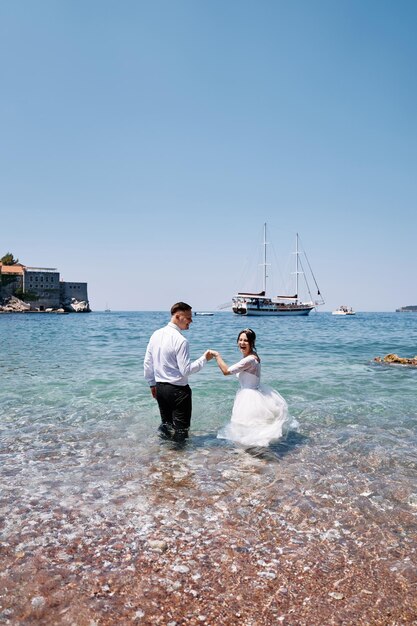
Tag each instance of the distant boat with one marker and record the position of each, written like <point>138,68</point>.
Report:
<point>202,313</point>
<point>344,310</point>
<point>107,310</point>
<point>261,305</point>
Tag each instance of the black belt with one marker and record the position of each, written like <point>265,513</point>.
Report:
<point>172,385</point>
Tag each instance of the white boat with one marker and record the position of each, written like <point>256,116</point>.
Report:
<point>344,310</point>
<point>203,313</point>
<point>261,304</point>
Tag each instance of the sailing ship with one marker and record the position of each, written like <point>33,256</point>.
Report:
<point>261,304</point>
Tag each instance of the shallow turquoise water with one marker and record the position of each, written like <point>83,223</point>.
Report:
<point>78,424</point>
<point>88,368</point>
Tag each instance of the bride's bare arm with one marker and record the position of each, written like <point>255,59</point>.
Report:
<point>224,368</point>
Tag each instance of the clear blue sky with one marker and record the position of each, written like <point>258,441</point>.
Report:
<point>143,145</point>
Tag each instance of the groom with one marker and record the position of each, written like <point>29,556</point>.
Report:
<point>167,366</point>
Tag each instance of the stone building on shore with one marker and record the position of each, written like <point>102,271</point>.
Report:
<point>41,289</point>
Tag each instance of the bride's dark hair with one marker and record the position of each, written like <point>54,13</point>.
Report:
<point>251,335</point>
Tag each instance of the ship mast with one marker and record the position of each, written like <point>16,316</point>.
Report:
<point>297,272</point>
<point>264,263</point>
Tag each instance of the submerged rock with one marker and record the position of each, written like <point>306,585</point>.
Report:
<point>395,359</point>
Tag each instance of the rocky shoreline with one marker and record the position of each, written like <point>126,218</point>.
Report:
<point>15,305</point>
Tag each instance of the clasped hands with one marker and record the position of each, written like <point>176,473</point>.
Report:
<point>211,354</point>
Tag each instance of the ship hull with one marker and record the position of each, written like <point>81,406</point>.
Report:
<point>273,311</point>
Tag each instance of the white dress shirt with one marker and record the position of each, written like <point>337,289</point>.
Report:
<point>167,358</point>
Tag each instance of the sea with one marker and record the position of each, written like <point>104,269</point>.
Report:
<point>78,429</point>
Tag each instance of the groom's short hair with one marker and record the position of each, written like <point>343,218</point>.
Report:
<point>180,306</point>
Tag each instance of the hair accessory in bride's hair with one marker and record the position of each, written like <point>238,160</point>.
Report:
<point>250,334</point>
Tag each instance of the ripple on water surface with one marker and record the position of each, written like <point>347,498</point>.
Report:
<point>87,486</point>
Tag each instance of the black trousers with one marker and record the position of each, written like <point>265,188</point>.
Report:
<point>175,405</point>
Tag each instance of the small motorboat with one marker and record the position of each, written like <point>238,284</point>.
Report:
<point>344,310</point>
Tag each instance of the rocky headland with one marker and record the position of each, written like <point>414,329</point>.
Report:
<point>12,304</point>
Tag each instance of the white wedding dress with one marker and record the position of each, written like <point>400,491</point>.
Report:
<point>259,411</point>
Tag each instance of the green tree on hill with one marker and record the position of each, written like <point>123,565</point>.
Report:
<point>8,259</point>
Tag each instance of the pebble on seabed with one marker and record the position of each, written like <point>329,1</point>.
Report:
<point>202,541</point>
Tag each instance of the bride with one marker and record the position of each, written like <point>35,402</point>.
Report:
<point>259,411</point>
